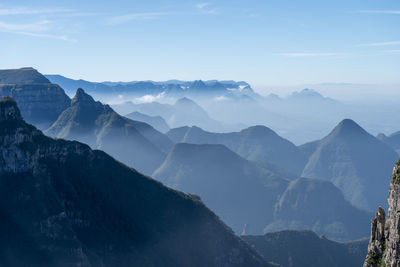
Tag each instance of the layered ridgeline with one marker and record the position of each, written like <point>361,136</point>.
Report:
<point>306,249</point>
<point>318,205</point>
<point>135,143</point>
<point>63,204</point>
<point>384,244</point>
<point>392,140</point>
<point>183,112</point>
<point>157,122</point>
<point>238,191</point>
<point>257,143</point>
<point>171,88</point>
<point>355,161</point>
<point>40,101</point>
<point>254,198</point>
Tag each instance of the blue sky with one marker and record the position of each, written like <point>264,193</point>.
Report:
<point>264,42</point>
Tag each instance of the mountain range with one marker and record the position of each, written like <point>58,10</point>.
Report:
<point>253,198</point>
<point>135,143</point>
<point>256,143</point>
<point>63,204</point>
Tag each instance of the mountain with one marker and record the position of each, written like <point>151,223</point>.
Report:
<point>39,100</point>
<point>318,205</point>
<point>63,204</point>
<point>384,243</point>
<point>185,112</point>
<point>240,192</point>
<point>392,140</point>
<point>135,143</point>
<point>172,88</point>
<point>157,122</point>
<point>355,161</point>
<point>306,249</point>
<point>257,143</point>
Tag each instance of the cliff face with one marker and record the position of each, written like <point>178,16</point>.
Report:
<point>39,100</point>
<point>63,204</point>
<point>384,245</point>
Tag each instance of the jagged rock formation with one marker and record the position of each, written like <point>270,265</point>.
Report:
<point>39,100</point>
<point>384,244</point>
<point>135,143</point>
<point>63,204</point>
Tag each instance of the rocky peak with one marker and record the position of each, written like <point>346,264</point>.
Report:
<point>9,110</point>
<point>82,97</point>
<point>384,244</point>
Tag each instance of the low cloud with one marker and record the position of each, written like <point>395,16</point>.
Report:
<point>135,17</point>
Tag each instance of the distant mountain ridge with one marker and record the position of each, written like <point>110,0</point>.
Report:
<point>151,87</point>
<point>256,143</point>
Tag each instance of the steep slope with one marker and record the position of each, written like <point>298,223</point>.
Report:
<point>157,122</point>
<point>39,100</point>
<point>313,204</point>
<point>135,143</point>
<point>257,143</point>
<point>241,193</point>
<point>306,249</point>
<point>354,161</point>
<point>63,204</point>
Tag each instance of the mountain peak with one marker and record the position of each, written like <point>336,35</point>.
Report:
<point>348,126</point>
<point>22,76</point>
<point>9,110</point>
<point>82,97</point>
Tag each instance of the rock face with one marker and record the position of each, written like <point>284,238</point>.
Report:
<point>135,143</point>
<point>63,204</point>
<point>39,100</point>
<point>384,244</point>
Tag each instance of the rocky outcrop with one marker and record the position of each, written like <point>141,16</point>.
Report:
<point>40,101</point>
<point>376,247</point>
<point>64,204</point>
<point>384,244</point>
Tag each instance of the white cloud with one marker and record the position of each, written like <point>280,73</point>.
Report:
<point>31,11</point>
<point>392,12</point>
<point>135,16</point>
<point>382,43</point>
<point>148,98</point>
<point>309,54</point>
<point>39,26</point>
<point>392,52</point>
<point>206,8</point>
